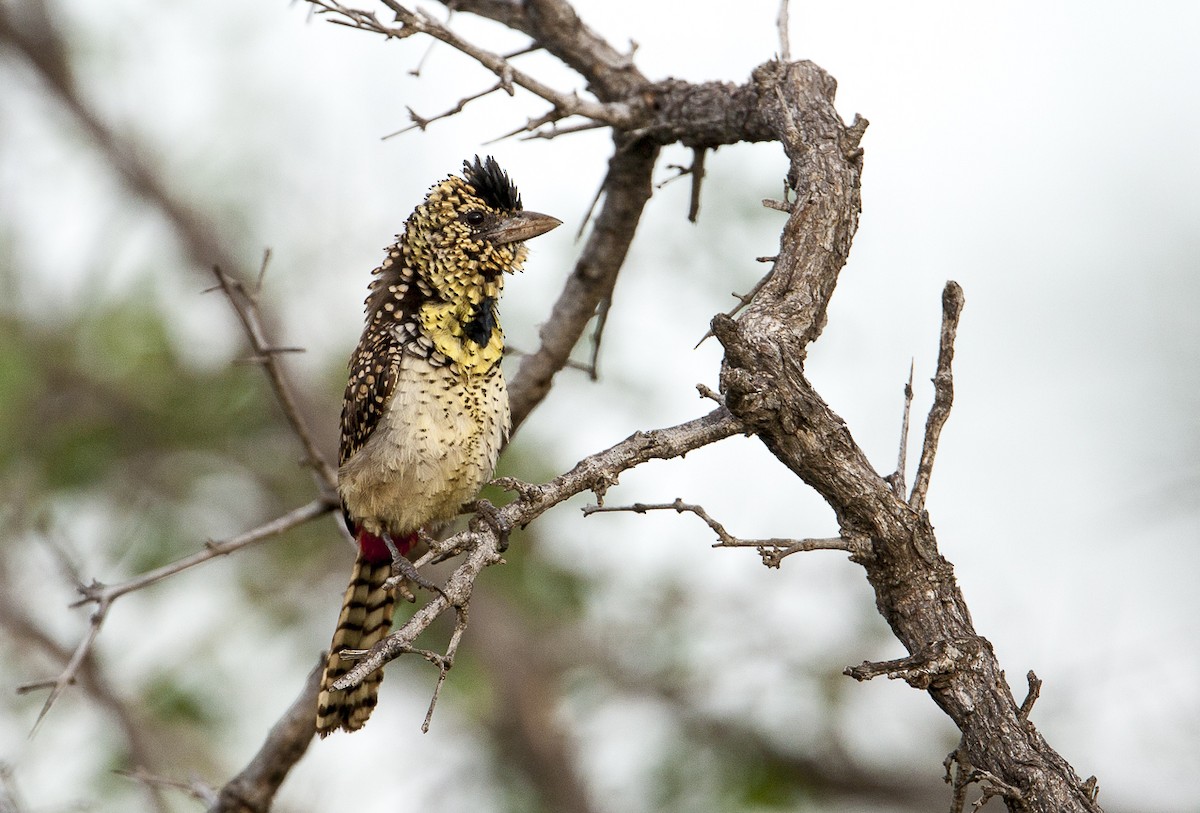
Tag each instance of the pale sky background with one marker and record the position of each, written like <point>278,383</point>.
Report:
<point>1043,155</point>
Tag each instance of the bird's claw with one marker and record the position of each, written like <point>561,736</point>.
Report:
<point>404,571</point>
<point>490,514</point>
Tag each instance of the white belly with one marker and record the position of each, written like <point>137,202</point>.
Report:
<point>432,451</point>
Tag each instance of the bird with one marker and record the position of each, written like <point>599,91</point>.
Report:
<point>425,409</point>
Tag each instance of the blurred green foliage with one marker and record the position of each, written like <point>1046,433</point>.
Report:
<point>103,398</point>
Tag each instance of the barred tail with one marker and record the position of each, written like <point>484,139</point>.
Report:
<point>366,618</point>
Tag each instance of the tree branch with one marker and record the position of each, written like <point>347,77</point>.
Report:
<point>482,542</point>
<point>764,385</point>
<point>31,635</point>
<point>103,594</point>
<point>772,551</point>
<point>245,305</point>
<point>943,392</point>
<point>617,114</point>
<point>627,188</point>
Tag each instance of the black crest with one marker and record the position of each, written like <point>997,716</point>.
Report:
<point>492,184</point>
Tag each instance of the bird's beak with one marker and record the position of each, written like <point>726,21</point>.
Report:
<point>520,226</point>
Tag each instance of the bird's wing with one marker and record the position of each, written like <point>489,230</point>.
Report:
<point>372,380</point>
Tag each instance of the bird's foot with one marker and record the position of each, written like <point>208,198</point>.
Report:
<point>490,514</point>
<point>405,572</point>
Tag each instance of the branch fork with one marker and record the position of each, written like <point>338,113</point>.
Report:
<point>930,667</point>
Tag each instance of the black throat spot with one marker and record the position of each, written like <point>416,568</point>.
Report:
<point>483,322</point>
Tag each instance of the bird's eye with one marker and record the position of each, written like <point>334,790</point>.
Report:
<point>474,217</point>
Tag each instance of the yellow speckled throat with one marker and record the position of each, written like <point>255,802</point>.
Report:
<point>439,287</point>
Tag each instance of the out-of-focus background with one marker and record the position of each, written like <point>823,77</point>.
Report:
<point>1045,157</point>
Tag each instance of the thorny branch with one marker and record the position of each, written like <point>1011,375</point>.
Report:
<point>772,551</point>
<point>421,123</point>
<point>482,542</point>
<point>245,305</point>
<point>421,22</point>
<point>103,595</point>
<point>896,478</point>
<point>943,393</point>
<point>88,674</point>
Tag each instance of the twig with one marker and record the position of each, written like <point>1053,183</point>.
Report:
<point>530,125</point>
<point>602,309</point>
<point>696,171</point>
<point>991,785</point>
<point>772,551</point>
<point>444,663</point>
<point>67,676</point>
<point>555,131</point>
<point>196,789</point>
<point>245,305</point>
<point>956,777</point>
<point>897,477</point>
<point>1035,691</point>
<point>615,114</point>
<point>21,626</point>
<point>591,209</point>
<point>943,392</point>
<point>420,123</point>
<point>743,299</point>
<point>781,22</point>
<point>926,668</point>
<point>102,594</point>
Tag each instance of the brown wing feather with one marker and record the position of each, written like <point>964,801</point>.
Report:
<point>369,389</point>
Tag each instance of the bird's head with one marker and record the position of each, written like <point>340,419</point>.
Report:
<point>470,231</point>
<point>448,268</point>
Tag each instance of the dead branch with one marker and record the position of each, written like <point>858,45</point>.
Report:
<point>696,171</point>
<point>617,114</point>
<point>764,384</point>
<point>103,595</point>
<point>896,478</point>
<point>772,551</point>
<point>1035,691</point>
<point>943,392</point>
<point>245,305</point>
<point>31,635</point>
<point>743,299</point>
<point>930,666</point>
<point>420,123</point>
